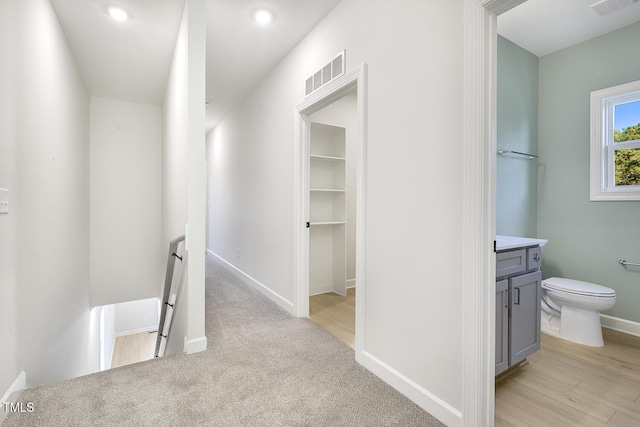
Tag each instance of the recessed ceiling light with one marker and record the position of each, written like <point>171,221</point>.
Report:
<point>118,14</point>
<point>262,16</point>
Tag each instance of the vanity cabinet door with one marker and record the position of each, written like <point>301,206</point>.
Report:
<point>502,326</point>
<point>524,330</point>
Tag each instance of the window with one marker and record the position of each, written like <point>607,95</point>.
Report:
<point>615,143</point>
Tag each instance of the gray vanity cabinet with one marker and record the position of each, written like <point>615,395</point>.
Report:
<point>502,325</point>
<point>518,292</point>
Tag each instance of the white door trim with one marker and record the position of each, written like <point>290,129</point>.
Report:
<point>479,206</point>
<point>357,78</point>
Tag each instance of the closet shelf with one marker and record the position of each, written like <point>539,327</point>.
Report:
<point>327,223</point>
<point>327,190</point>
<point>330,158</point>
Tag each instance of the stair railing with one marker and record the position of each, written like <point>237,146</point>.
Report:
<point>168,298</point>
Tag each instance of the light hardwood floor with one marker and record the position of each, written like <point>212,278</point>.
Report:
<point>336,314</point>
<point>564,384</point>
<point>568,384</point>
<point>133,348</point>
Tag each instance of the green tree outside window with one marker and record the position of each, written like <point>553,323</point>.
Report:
<point>627,161</point>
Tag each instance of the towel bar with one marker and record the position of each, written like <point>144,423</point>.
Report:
<point>530,156</point>
<point>624,262</point>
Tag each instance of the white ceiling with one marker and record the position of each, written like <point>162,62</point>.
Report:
<point>545,26</point>
<point>240,52</point>
<point>122,60</point>
<point>130,60</point>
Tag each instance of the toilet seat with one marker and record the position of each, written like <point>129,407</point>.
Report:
<point>577,287</point>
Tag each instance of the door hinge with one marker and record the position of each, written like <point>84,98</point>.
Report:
<point>494,246</point>
<point>308,224</point>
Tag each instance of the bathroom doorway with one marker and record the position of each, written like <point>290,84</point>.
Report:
<point>560,382</point>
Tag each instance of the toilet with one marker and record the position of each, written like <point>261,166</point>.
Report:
<point>571,310</point>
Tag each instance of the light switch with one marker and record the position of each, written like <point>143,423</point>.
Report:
<point>4,201</point>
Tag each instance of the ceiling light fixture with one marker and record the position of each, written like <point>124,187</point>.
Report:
<point>118,14</point>
<point>263,16</point>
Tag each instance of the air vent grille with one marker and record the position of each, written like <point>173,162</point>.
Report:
<point>605,7</point>
<point>327,73</point>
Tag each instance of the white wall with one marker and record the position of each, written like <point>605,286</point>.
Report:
<point>44,240</point>
<point>183,167</point>
<point>136,316</point>
<point>343,113</point>
<point>412,274</point>
<point>125,164</point>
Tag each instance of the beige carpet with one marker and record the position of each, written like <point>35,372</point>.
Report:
<point>263,368</point>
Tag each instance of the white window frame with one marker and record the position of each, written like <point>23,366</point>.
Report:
<point>602,180</point>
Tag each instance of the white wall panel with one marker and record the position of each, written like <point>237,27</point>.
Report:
<point>44,162</point>
<point>125,201</point>
<point>183,172</point>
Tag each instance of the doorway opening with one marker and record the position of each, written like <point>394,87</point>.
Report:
<point>332,216</point>
<point>127,332</point>
<point>330,210</point>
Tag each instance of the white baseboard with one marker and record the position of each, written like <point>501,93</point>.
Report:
<point>264,290</point>
<point>195,345</point>
<point>322,289</point>
<point>12,394</point>
<point>151,328</point>
<point>414,392</point>
<point>620,325</point>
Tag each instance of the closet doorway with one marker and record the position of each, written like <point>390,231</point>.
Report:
<point>332,216</point>
<point>329,202</point>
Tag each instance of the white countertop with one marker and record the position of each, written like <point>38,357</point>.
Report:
<point>511,242</point>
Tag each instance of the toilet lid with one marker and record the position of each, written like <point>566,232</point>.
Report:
<point>577,287</point>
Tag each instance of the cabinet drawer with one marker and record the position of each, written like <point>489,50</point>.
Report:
<point>534,258</point>
<point>510,262</point>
